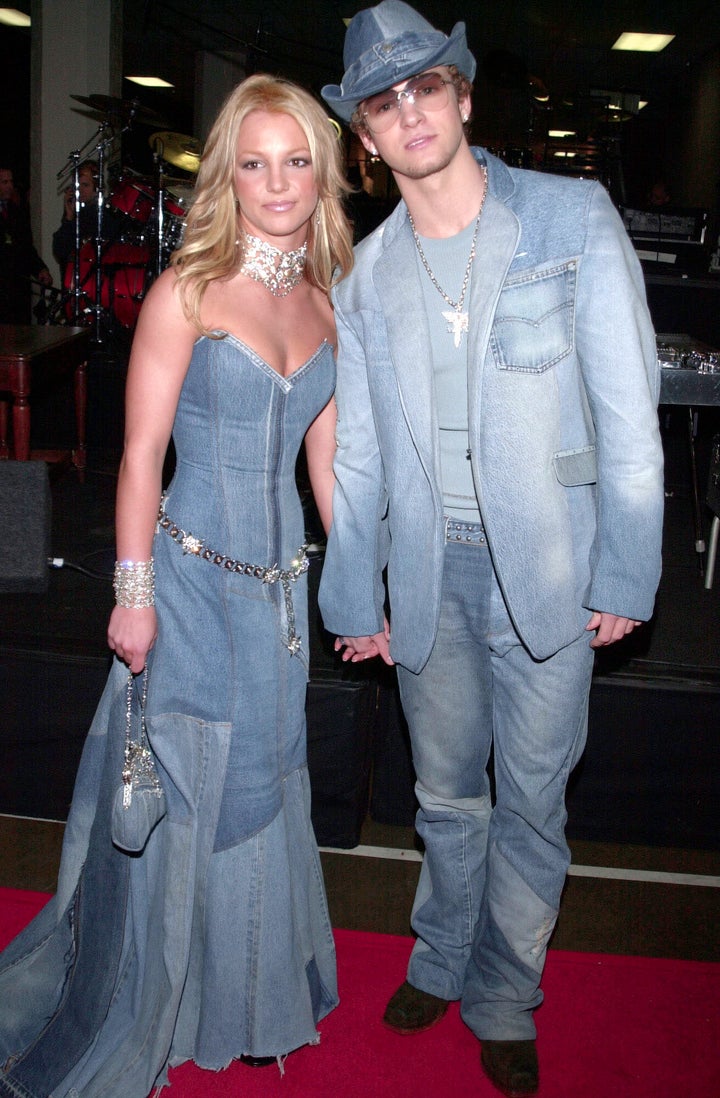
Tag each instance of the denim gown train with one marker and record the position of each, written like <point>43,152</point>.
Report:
<point>215,941</point>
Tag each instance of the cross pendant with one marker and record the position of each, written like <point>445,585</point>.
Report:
<point>457,323</point>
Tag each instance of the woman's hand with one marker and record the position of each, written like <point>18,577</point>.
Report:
<point>356,649</point>
<point>131,634</point>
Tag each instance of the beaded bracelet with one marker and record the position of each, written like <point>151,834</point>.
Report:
<point>134,583</point>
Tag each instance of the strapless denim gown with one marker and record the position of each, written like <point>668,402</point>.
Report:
<point>215,941</point>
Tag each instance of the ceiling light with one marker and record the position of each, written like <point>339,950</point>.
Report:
<point>565,155</point>
<point>11,17</point>
<point>150,81</point>
<point>626,102</point>
<point>643,43</point>
<point>642,103</point>
<point>561,133</point>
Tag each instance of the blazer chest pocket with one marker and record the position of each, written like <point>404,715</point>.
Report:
<point>533,326</point>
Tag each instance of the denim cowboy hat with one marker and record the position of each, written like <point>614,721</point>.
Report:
<point>389,43</point>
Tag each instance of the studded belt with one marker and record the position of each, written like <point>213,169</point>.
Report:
<point>284,576</point>
<point>469,533</point>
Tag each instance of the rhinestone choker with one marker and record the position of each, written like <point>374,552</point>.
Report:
<point>279,271</point>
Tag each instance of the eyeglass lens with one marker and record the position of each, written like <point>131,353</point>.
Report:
<point>428,92</point>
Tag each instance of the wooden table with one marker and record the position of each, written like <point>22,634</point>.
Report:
<point>30,352</point>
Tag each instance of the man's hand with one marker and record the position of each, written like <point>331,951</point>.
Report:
<point>366,648</point>
<point>609,628</point>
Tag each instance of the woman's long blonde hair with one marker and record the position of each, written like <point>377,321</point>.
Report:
<point>210,250</point>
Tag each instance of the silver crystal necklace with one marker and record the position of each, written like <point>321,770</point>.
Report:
<point>279,271</point>
<point>458,320</point>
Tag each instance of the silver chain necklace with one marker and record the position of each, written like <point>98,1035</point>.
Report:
<point>279,271</point>
<point>458,321</point>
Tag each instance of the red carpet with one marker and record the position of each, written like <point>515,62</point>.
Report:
<point>611,1027</point>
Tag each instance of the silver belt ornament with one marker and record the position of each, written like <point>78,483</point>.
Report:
<point>284,576</point>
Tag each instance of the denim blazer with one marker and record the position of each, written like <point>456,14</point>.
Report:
<point>563,383</point>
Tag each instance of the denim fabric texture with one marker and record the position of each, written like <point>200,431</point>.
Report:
<point>491,877</point>
<point>388,43</point>
<point>490,639</point>
<point>216,941</point>
<point>561,354</point>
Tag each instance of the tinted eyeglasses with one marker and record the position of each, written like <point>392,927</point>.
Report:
<point>428,92</point>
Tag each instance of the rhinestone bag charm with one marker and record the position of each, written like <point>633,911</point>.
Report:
<point>139,802</point>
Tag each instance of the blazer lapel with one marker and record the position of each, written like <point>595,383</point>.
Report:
<point>396,281</point>
<point>497,243</point>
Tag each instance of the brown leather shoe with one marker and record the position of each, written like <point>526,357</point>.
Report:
<point>411,1010</point>
<point>511,1066</point>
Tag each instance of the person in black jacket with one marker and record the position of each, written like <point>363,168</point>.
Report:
<point>19,261</point>
<point>64,236</point>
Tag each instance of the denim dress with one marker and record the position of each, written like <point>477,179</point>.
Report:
<point>215,941</point>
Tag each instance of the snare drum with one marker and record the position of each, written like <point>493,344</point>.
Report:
<point>134,198</point>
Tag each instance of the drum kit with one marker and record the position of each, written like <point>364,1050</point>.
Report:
<point>138,220</point>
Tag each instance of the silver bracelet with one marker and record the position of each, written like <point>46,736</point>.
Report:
<point>134,583</point>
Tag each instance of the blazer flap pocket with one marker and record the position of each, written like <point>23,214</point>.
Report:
<point>576,466</point>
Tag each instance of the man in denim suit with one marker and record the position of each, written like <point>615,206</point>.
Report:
<point>499,453</point>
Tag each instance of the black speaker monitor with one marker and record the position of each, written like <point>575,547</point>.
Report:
<point>25,509</point>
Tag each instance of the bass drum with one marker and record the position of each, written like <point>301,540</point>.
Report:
<point>125,270</point>
<point>123,285</point>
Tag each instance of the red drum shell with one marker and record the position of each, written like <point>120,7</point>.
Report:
<point>133,198</point>
<point>124,278</point>
<point>126,269</point>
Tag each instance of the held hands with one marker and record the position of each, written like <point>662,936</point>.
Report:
<point>131,634</point>
<point>366,648</point>
<point>609,628</point>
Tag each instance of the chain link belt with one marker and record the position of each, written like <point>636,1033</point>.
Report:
<point>285,576</point>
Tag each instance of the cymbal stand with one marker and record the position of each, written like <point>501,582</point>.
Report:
<point>102,140</point>
<point>77,289</point>
<point>74,159</point>
<point>100,148</point>
<point>157,263</point>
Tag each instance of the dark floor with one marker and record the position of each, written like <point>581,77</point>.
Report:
<point>659,897</point>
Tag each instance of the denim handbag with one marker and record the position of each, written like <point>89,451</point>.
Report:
<point>139,803</point>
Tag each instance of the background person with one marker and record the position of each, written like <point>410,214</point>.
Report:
<point>19,261</point>
<point>499,452</point>
<point>64,235</point>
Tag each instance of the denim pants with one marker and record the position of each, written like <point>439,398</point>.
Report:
<point>493,871</point>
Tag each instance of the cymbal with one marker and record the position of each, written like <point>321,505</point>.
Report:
<point>179,149</point>
<point>126,109</point>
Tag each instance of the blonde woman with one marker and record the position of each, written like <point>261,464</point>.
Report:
<point>213,942</point>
